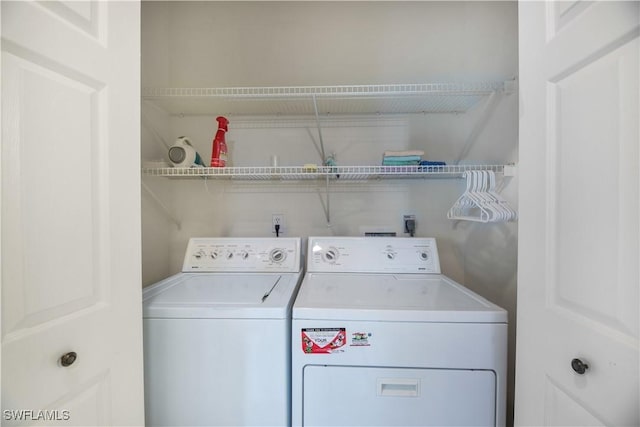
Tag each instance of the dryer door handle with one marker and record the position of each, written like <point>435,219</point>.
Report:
<point>399,387</point>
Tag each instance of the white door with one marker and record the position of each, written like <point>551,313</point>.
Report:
<point>579,221</point>
<point>71,214</point>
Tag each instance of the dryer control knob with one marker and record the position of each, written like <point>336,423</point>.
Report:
<point>277,255</point>
<point>331,255</point>
<point>424,256</point>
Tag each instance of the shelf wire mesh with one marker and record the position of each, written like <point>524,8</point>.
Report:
<point>297,100</point>
<point>321,172</point>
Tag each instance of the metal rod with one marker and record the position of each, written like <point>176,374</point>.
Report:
<point>328,210</point>
<point>156,136</point>
<point>315,108</point>
<point>160,204</point>
<point>488,109</point>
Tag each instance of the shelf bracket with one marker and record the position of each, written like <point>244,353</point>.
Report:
<point>156,136</point>
<point>488,109</point>
<point>161,205</point>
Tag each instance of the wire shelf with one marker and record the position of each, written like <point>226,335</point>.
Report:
<point>299,100</point>
<point>321,172</point>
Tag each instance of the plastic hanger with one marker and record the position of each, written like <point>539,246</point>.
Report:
<point>480,201</point>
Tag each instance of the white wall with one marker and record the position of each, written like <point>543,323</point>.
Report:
<point>217,44</point>
<point>318,43</point>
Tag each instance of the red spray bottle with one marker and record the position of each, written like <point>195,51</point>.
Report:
<point>219,149</point>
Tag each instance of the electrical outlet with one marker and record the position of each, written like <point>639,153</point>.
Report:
<point>277,219</point>
<point>405,220</point>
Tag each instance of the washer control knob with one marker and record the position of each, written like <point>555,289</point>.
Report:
<point>229,255</point>
<point>199,255</point>
<point>277,255</point>
<point>390,254</point>
<point>244,254</point>
<point>424,256</point>
<point>214,255</point>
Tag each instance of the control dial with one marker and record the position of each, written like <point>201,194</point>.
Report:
<point>244,254</point>
<point>199,254</point>
<point>214,255</point>
<point>424,255</point>
<point>277,255</point>
<point>331,255</point>
<point>390,254</point>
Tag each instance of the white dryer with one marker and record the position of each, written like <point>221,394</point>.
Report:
<point>381,338</point>
<point>217,336</point>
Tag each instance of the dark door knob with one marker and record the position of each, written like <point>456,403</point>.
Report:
<point>579,366</point>
<point>68,358</point>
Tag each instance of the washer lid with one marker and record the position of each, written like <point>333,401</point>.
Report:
<point>221,295</point>
<point>392,297</point>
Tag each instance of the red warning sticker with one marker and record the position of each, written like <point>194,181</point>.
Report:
<point>323,340</point>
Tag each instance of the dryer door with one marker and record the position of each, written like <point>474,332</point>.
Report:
<point>370,396</point>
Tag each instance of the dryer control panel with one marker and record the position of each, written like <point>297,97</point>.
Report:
<point>373,255</point>
<point>209,254</point>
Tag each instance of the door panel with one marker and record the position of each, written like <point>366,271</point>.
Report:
<point>89,402</point>
<point>57,136</point>
<point>71,213</point>
<point>591,165</point>
<point>87,16</point>
<point>579,233</point>
<point>563,410</point>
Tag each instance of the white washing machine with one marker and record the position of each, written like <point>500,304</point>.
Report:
<point>381,338</point>
<point>217,336</point>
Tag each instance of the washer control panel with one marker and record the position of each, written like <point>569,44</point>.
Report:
<point>242,254</point>
<point>373,255</point>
